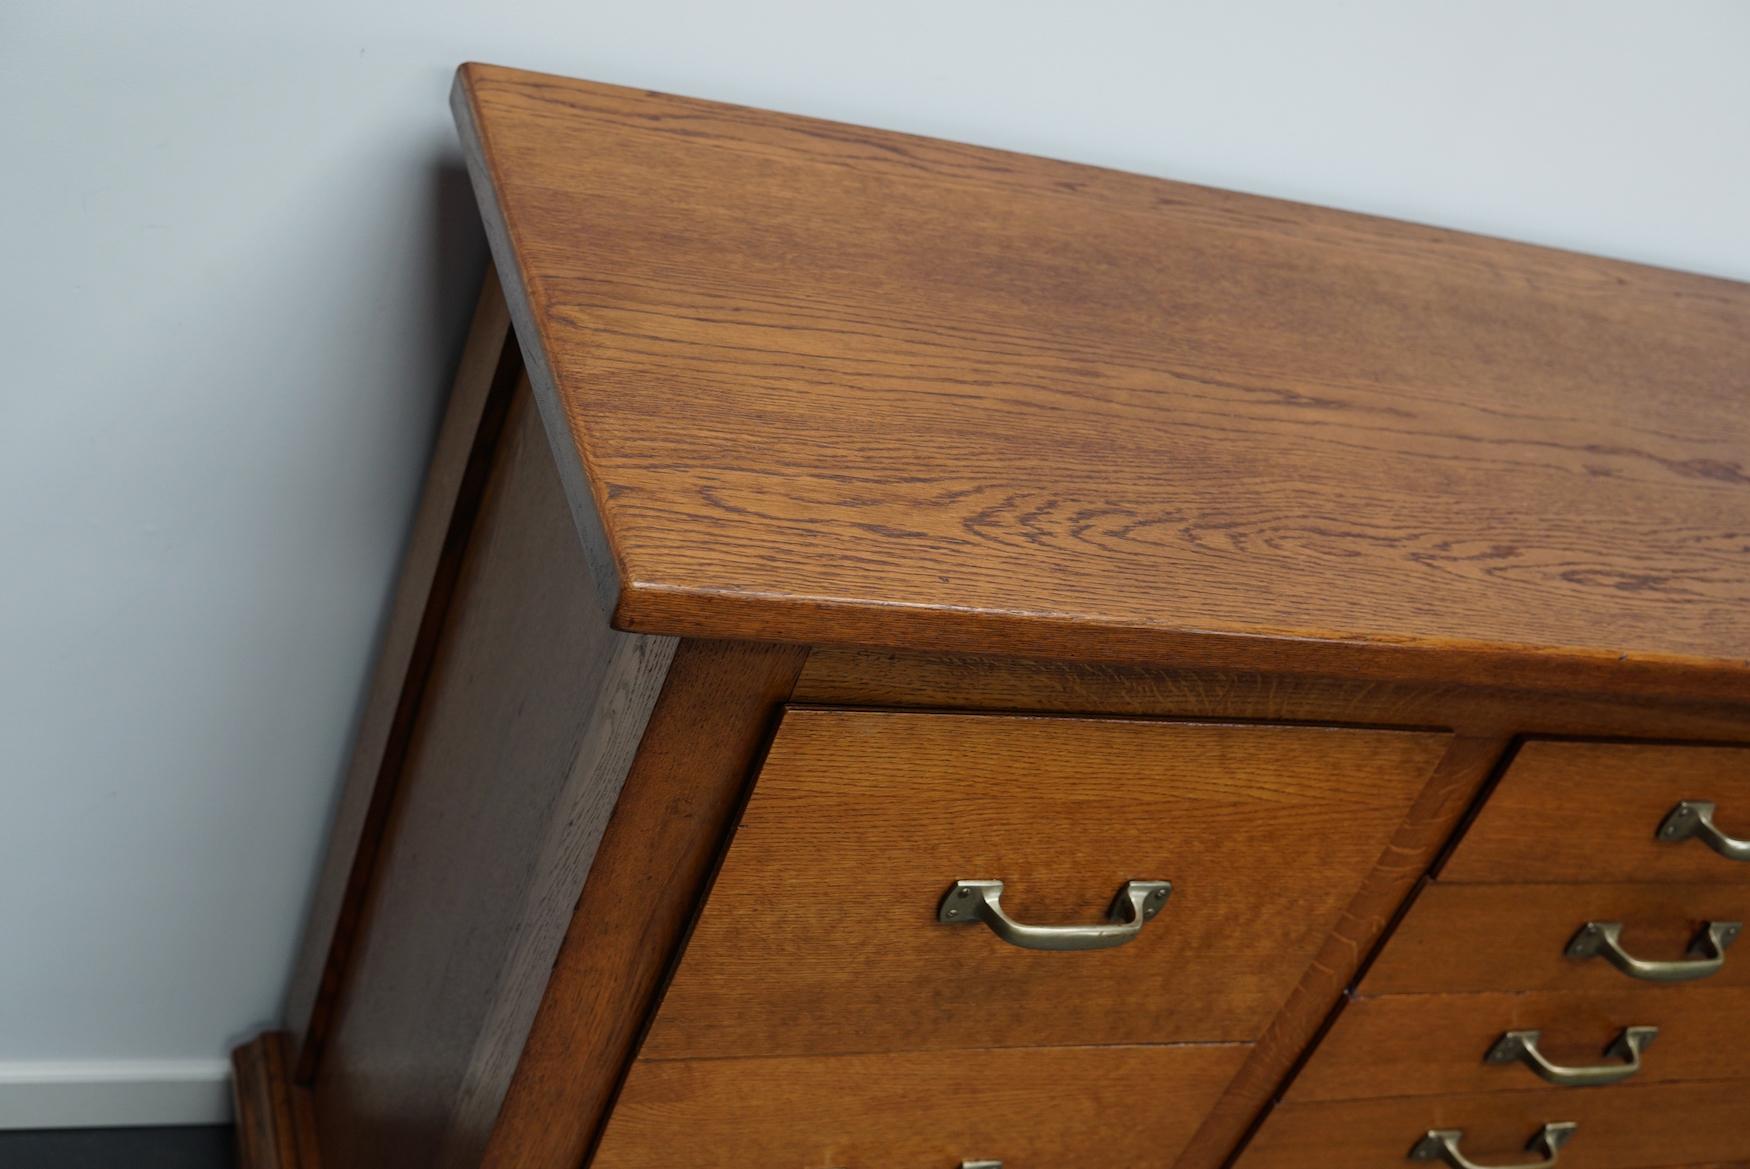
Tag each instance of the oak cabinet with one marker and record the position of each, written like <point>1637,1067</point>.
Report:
<point>912,655</point>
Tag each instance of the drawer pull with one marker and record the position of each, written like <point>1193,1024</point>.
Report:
<point>1696,818</point>
<point>1137,902</point>
<point>1441,1144</point>
<point>1707,952</point>
<point>1521,1047</point>
<point>1604,938</point>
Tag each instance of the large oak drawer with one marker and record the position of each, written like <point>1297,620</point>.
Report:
<point>1571,811</point>
<point>1515,937</point>
<point>1621,1127</point>
<point>1058,1108</point>
<point>1431,1045</point>
<point>821,932</point>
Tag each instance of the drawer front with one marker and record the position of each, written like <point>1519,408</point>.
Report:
<point>1617,1128</point>
<point>1567,811</point>
<point>1057,1108</point>
<point>1434,1045</point>
<point>1462,938</point>
<point>821,931</point>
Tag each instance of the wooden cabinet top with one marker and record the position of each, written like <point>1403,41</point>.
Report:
<point>839,385</point>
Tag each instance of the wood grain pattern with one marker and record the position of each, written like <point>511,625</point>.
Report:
<point>1061,1108</point>
<point>820,933</point>
<point>836,385</point>
<point>1622,1127</point>
<point>454,481</point>
<point>271,1113</point>
<point>1459,938</point>
<point>1486,717</point>
<point>674,812</point>
<point>1406,859</point>
<point>1590,812</point>
<point>848,676</point>
<point>1433,1045</point>
<point>528,726</point>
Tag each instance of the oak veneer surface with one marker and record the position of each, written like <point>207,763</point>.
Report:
<point>1515,937</point>
<point>853,676</point>
<point>1429,822</point>
<point>487,375</point>
<point>837,385</point>
<point>820,932</point>
<point>1422,1045</point>
<point>1591,812</point>
<point>1057,1108</point>
<point>528,725</point>
<point>1621,1127</point>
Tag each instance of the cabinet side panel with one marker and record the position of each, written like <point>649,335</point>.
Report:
<point>530,718</point>
<point>448,503</point>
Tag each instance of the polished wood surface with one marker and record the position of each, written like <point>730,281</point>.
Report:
<point>849,676</point>
<point>684,789</point>
<point>820,933</point>
<point>454,481</point>
<point>838,385</point>
<point>1431,1045</point>
<point>1486,717</point>
<point>1056,1108</point>
<point>274,1123</point>
<point>1418,838</point>
<point>1591,811</point>
<point>1621,1127</point>
<point>1514,937</point>
<point>526,731</point>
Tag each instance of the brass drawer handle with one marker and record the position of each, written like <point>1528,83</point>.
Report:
<point>1521,1047</point>
<point>1604,938</point>
<point>1696,818</point>
<point>1441,1144</point>
<point>1137,902</point>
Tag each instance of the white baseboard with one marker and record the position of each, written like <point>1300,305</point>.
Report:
<point>115,1094</point>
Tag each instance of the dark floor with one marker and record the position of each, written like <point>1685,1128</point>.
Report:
<point>118,1148</point>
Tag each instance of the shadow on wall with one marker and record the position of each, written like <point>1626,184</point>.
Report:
<point>453,264</point>
<point>455,260</point>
